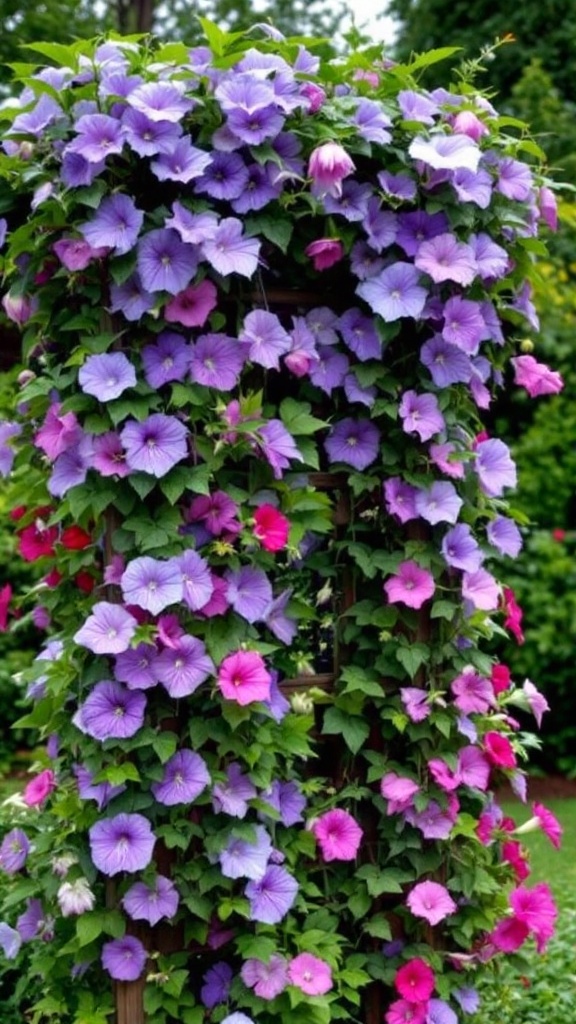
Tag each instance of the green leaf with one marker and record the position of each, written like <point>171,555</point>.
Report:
<point>413,657</point>
<point>297,419</point>
<point>354,730</point>
<point>118,774</point>
<point>379,927</point>
<point>89,926</point>
<point>361,679</point>
<point>142,483</point>
<point>443,610</point>
<point>276,229</point>
<point>164,745</point>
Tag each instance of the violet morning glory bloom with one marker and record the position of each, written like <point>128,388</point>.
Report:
<point>77,171</point>
<point>33,122</point>
<point>124,959</point>
<point>261,188</point>
<point>400,499</point>
<point>216,985</point>
<point>438,503</point>
<point>397,186</point>
<point>14,851</point>
<point>111,711</point>
<point>467,998</point>
<point>166,360</point>
<point>147,137</point>
<point>277,705</point>
<point>130,299</point>
<point>237,1018</point>
<point>492,261</point>
<point>464,325</point>
<point>154,445</point>
<point>136,667</point>
<point>76,254</point>
<point>249,592</point>
<point>161,101</point>
<point>416,703</point>
<point>415,106</point>
<point>448,152</point>
<point>196,580</point>
<point>101,792</point>
<point>267,979</point>
<point>447,363</point>
<point>371,122</point>
<point>107,630</point>
<point>152,583</point>
<point>444,258</point>
<point>281,625</point>
<point>116,224</point>
<point>515,179</point>
<point>460,550</point>
<point>473,187</point>
<point>106,376</point>
<point>183,668</point>
<point>193,228</point>
<point>231,796</point>
<point>151,903</point>
<point>439,1012</point>
<point>243,858</point>
<point>433,822</point>
<point>380,225</point>
<point>99,136</point>
<point>71,468</point>
<point>505,536</point>
<point>494,466</point>
<point>216,361</point>
<point>420,414</point>
<point>108,456</point>
<point>272,896</point>
<point>8,431</point>
<point>394,293</point>
<point>185,777</point>
<point>356,393</point>
<point>225,178</point>
<point>416,227</point>
<point>473,693</point>
<point>10,941</point>
<point>481,589</point>
<point>122,843</point>
<point>352,204</point>
<point>255,128</point>
<point>278,447</point>
<point>230,251</point>
<point>183,162</point>
<point>360,334</point>
<point>353,442</point>
<point>165,263</point>
<point>287,801</point>
<point>411,585</point>
<point>266,338</point>
<point>329,369</point>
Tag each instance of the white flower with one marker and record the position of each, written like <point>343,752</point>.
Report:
<point>75,897</point>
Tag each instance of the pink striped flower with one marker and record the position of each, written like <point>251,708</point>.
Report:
<point>243,677</point>
<point>338,835</point>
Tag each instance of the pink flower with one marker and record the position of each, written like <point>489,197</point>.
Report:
<point>536,909</point>
<point>403,1012</point>
<point>5,598</point>
<point>193,306</point>
<point>549,824</point>
<point>500,679</point>
<point>536,701</point>
<point>515,855</point>
<point>548,207</point>
<point>509,934</point>
<point>398,791</point>
<point>325,252</point>
<point>415,981</point>
<point>498,750</point>
<point>431,901</point>
<point>39,788</point>
<point>338,835</point>
<point>271,528</point>
<point>513,612</point>
<point>411,585</point>
<point>311,975</point>
<point>243,677</point>
<point>537,378</point>
<point>315,96</point>
<point>329,164</point>
<point>468,123</point>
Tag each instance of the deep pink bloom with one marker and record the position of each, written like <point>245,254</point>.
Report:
<point>431,901</point>
<point>310,975</point>
<point>536,909</point>
<point>411,585</point>
<point>5,598</point>
<point>243,677</point>
<point>329,164</point>
<point>500,678</point>
<point>39,788</point>
<point>537,378</point>
<point>415,981</point>
<point>271,528</point>
<point>513,612</point>
<point>338,835</point>
<point>549,824</point>
<point>403,1012</point>
<point>193,306</point>
<point>509,934</point>
<point>499,751</point>
<point>325,252</point>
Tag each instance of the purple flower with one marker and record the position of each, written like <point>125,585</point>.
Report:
<point>494,466</point>
<point>394,293</point>
<point>467,998</point>
<point>136,667</point>
<point>161,101</point>
<point>243,858</point>
<point>147,137</point>
<point>98,136</point>
<point>276,703</point>
<point>380,225</point>
<point>217,361</point>
<point>329,369</point>
<point>152,583</point>
<point>130,299</point>
<point>268,340</point>
<point>183,668</point>
<point>439,1012</point>
<point>225,178</point>
<point>416,703</point>
<point>124,959</point>
<point>71,468</point>
<point>185,777</point>
<point>464,325</point>
<point>33,122</point>
<point>231,797</point>
<point>166,360</point>
<point>397,186</point>
<point>354,442</point>
<point>278,447</point>
<point>216,985</point>
<point>151,903</point>
<point>444,258</point>
<point>514,180</point>
<point>14,850</point>
<point>155,445</point>
<point>230,251</point>
<point>267,979</point>
<point>473,187</point>
<point>106,376</point>
<point>111,711</point>
<point>352,204</point>
<point>492,261</point>
<point>415,228</point>
<point>371,122</point>
<point>196,580</point>
<point>356,393</point>
<point>360,334</point>
<point>122,843</point>
<point>481,589</point>
<point>416,107</point>
<point>420,414</point>
<point>280,624</point>
<point>8,431</point>
<point>439,503</point>
<point>165,263</point>
<point>116,224</point>
<point>260,189</point>
<point>431,901</point>
<point>107,630</point>
<point>77,171</point>
<point>75,254</point>
<point>182,163</point>
<point>101,792</point>
<point>255,128</point>
<point>505,536</point>
<point>433,822</point>
<point>440,455</point>
<point>460,550</point>
<point>108,456</point>
<point>272,895</point>
<point>10,941</point>
<point>287,801</point>
<point>411,585</point>
<point>447,363</point>
<point>448,152</point>
<point>249,592</point>
<point>473,693</point>
<point>400,499</point>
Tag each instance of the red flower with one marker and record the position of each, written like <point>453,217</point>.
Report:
<point>85,582</point>
<point>37,539</point>
<point>559,535</point>
<point>498,750</point>
<point>74,538</point>
<point>271,528</point>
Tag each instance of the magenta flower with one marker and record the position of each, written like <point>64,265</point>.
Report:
<point>151,903</point>
<point>39,788</point>
<point>183,667</point>
<point>185,777</point>
<point>399,792</point>
<point>111,711</point>
<point>338,835</point>
<point>549,824</point>
<point>165,263</point>
<point>415,981</point>
<point>243,677</point>
<point>325,252</point>
<point>329,164</point>
<point>354,442</point>
<point>420,414</point>
<point>154,445</point>
<point>107,630</point>
<point>152,583</point>
<point>58,433</point>
<point>193,306</point>
<point>106,376</point>
<point>122,843</point>
<point>394,293</point>
<point>272,895</point>
<point>537,378</point>
<point>267,980</point>
<point>76,254</point>
<point>124,959</point>
<point>431,901</point>
<point>536,909</point>
<point>411,585</point>
<point>116,224</point>
<point>310,974</point>
<point>401,1011</point>
<point>416,702</point>
<point>109,457</point>
<point>536,701</point>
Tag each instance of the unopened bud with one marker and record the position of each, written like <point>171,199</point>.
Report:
<point>526,345</point>
<point>302,704</point>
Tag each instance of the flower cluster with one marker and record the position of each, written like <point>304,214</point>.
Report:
<point>265,300</point>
